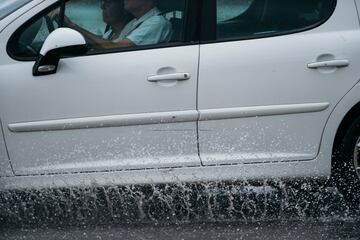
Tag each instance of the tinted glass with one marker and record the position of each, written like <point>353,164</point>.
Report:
<point>105,24</point>
<point>249,18</point>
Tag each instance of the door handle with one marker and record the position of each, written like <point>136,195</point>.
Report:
<point>331,63</point>
<point>171,76</point>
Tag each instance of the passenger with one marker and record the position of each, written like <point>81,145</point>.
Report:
<point>148,27</point>
<point>115,16</point>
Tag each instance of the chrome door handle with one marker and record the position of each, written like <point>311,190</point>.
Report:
<point>331,63</point>
<point>171,76</point>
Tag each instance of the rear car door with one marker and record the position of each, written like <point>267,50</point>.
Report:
<point>270,74</point>
<point>103,111</point>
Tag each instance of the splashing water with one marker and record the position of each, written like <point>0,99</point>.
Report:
<point>172,203</point>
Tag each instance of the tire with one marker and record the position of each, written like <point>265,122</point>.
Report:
<point>346,164</point>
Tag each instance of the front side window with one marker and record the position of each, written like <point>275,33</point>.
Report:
<point>251,18</point>
<point>105,24</point>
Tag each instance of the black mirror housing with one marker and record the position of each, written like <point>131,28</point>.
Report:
<point>48,64</point>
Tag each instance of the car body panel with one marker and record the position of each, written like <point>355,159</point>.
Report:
<point>5,167</point>
<point>100,87</point>
<point>257,172</point>
<point>271,72</point>
<point>338,114</point>
<point>100,94</point>
<point>11,17</point>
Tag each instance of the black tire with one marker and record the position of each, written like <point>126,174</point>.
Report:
<point>347,179</point>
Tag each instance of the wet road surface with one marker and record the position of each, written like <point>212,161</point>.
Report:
<point>274,230</point>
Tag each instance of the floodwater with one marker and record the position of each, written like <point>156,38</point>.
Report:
<point>226,210</point>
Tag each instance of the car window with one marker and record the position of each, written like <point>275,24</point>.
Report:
<point>251,18</point>
<point>228,9</point>
<point>105,25</point>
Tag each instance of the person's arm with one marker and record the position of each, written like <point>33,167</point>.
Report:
<point>95,40</point>
<point>124,43</point>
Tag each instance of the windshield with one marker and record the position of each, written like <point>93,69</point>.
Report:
<point>9,6</point>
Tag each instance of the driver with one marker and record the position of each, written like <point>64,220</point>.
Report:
<point>113,14</point>
<point>148,27</point>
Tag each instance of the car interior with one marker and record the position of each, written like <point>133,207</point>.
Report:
<point>174,12</point>
<point>269,16</point>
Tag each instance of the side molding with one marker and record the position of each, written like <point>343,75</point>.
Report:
<point>106,121</point>
<point>258,111</point>
<point>165,117</point>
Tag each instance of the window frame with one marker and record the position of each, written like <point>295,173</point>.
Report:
<point>190,36</point>
<point>209,15</point>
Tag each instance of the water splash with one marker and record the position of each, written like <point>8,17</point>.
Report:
<point>172,203</point>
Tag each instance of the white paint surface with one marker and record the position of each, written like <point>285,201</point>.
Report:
<point>61,38</point>
<point>5,168</point>
<point>97,86</point>
<point>274,71</point>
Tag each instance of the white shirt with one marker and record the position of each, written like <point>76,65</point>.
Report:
<point>151,28</point>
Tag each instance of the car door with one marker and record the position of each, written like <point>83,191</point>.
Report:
<point>270,74</point>
<point>116,109</point>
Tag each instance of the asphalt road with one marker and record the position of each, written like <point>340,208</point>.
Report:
<point>274,230</point>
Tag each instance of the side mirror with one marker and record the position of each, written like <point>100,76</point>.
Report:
<point>60,43</point>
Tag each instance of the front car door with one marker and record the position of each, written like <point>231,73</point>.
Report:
<point>270,74</point>
<point>102,111</point>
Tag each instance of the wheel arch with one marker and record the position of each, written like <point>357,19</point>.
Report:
<point>343,170</point>
<point>348,119</point>
<point>338,121</point>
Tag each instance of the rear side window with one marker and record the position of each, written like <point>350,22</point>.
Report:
<point>252,18</point>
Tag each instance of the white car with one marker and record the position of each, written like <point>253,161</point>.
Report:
<point>245,89</point>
